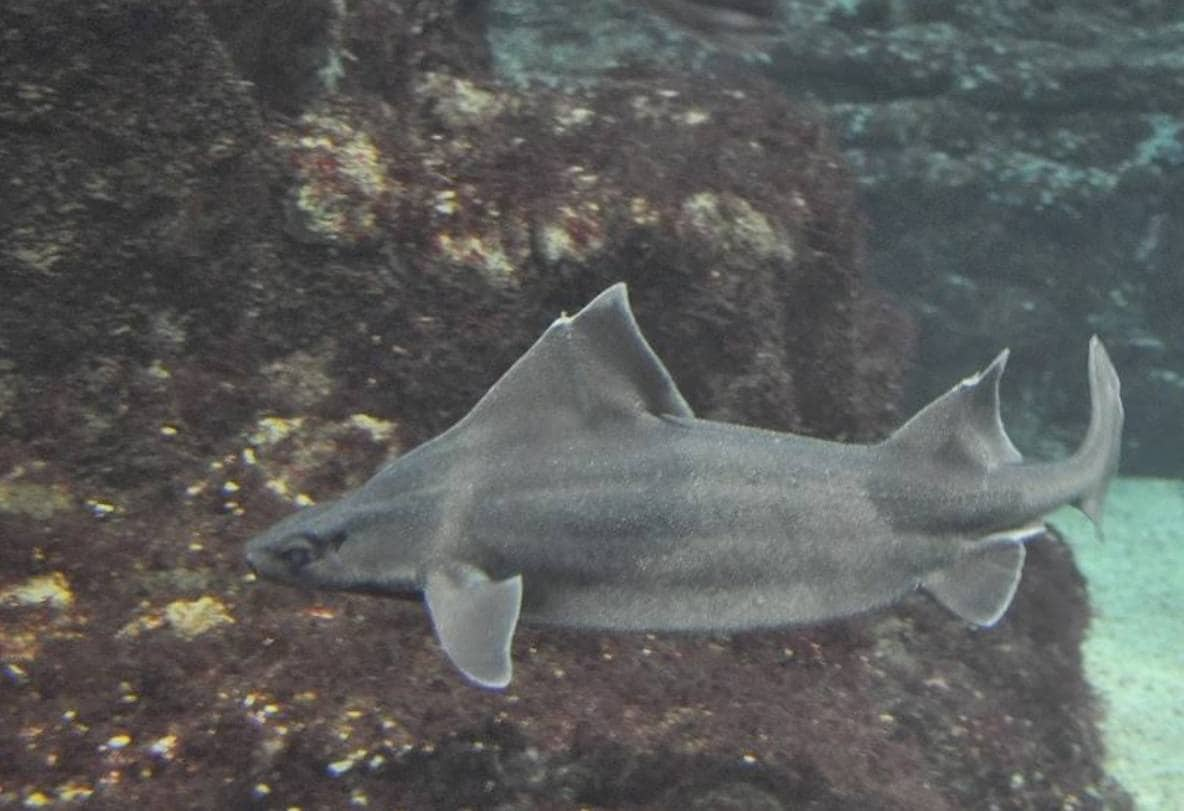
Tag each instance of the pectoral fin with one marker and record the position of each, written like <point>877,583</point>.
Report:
<point>980,585</point>
<point>474,618</point>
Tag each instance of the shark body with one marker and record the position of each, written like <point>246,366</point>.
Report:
<point>582,491</point>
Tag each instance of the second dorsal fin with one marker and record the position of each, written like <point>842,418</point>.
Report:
<point>963,426</point>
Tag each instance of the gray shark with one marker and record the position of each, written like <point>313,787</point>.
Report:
<point>581,491</point>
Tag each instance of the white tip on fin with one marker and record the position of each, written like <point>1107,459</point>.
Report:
<point>475,618</point>
<point>962,428</point>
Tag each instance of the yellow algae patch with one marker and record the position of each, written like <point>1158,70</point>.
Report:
<point>187,618</point>
<point>483,252</point>
<point>69,792</point>
<point>574,233</point>
<point>341,182</point>
<point>148,622</point>
<point>40,501</point>
<point>731,221</point>
<point>165,747</point>
<point>191,618</point>
<point>21,641</point>
<point>271,430</point>
<point>49,589</point>
<point>642,211</point>
<point>567,117</point>
<point>310,445</point>
<point>461,104</point>
<point>378,429</point>
<point>23,645</point>
<point>117,742</point>
<point>38,799</point>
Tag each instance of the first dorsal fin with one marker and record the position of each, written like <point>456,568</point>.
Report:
<point>962,426</point>
<point>585,369</point>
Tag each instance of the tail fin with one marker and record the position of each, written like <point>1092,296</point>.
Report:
<point>1103,439</point>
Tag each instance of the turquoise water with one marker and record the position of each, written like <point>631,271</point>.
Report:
<point>1134,653</point>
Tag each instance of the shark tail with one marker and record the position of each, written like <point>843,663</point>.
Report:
<point>1100,449</point>
<point>980,585</point>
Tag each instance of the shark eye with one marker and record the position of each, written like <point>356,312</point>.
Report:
<point>296,557</point>
<point>309,547</point>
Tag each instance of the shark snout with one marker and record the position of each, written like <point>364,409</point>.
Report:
<point>261,558</point>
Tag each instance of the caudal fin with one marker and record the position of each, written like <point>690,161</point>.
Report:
<point>1102,445</point>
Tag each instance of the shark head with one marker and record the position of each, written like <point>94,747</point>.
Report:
<point>303,549</point>
<point>339,546</point>
<point>327,546</point>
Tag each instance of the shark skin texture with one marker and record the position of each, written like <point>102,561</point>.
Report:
<point>581,491</point>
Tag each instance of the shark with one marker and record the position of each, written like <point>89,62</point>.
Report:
<point>581,491</point>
